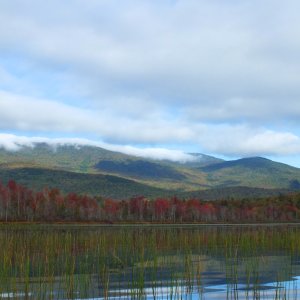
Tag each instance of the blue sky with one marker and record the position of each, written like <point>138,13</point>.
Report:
<point>218,77</point>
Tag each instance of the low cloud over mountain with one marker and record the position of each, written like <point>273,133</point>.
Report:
<point>218,76</point>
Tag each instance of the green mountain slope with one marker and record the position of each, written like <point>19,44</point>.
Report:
<point>140,169</point>
<point>202,160</point>
<point>118,188</point>
<point>76,169</point>
<point>253,172</point>
<point>95,160</point>
<point>63,157</point>
<point>92,184</point>
<point>84,158</point>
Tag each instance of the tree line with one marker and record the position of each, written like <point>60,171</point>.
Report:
<point>18,203</point>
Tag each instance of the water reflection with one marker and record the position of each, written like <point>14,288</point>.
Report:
<point>149,263</point>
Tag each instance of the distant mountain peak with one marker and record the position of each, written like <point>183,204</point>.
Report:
<point>201,172</point>
<point>255,162</point>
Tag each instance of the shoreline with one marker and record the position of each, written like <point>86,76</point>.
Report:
<point>97,224</point>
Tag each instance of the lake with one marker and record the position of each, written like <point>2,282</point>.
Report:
<point>149,262</point>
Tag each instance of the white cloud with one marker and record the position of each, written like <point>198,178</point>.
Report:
<point>32,114</point>
<point>244,141</point>
<point>221,75</point>
<point>198,55</point>
<point>40,115</point>
<point>12,142</point>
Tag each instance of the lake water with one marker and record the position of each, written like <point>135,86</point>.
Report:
<point>149,262</point>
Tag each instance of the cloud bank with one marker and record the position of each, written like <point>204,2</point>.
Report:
<point>267,142</point>
<point>11,142</point>
<point>39,115</point>
<point>219,76</point>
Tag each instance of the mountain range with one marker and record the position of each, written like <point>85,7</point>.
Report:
<point>97,171</point>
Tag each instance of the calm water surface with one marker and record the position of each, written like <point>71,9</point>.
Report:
<point>196,262</point>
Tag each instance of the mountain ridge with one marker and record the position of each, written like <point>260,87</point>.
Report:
<point>158,176</point>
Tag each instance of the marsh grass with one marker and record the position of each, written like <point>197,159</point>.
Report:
<point>73,262</point>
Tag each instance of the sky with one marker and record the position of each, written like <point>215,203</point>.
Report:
<point>153,77</point>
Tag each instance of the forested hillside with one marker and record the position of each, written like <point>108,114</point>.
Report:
<point>94,170</point>
<point>18,203</point>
